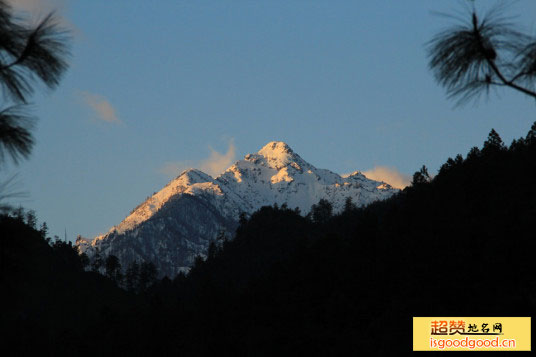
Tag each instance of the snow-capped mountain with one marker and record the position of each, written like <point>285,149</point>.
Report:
<point>177,223</point>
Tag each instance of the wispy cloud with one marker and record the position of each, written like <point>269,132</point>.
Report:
<point>217,162</point>
<point>214,165</point>
<point>101,106</point>
<point>40,8</point>
<point>37,7</point>
<point>390,175</point>
<point>174,168</point>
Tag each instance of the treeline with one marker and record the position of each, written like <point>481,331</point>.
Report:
<point>458,244</point>
<point>136,278</point>
<point>49,301</point>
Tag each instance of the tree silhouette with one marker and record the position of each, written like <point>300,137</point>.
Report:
<point>97,262</point>
<point>27,53</point>
<point>113,268</point>
<point>147,276</point>
<point>132,277</point>
<point>44,230</point>
<point>322,211</point>
<point>531,135</point>
<point>494,140</point>
<point>421,177</point>
<point>471,57</point>
<point>31,219</point>
<point>349,205</point>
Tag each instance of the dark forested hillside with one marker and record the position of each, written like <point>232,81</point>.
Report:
<point>50,305</point>
<point>459,244</point>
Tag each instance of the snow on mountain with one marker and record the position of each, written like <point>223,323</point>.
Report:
<point>177,223</point>
<point>190,181</point>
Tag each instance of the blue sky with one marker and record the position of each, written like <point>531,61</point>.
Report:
<point>158,86</point>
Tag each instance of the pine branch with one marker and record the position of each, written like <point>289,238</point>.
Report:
<point>15,133</point>
<point>35,53</point>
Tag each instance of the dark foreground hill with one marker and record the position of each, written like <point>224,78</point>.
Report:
<point>460,244</point>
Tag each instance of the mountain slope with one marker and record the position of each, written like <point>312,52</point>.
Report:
<point>177,223</point>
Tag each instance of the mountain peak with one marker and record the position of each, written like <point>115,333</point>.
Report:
<point>278,153</point>
<point>193,173</point>
<point>275,148</point>
<point>176,224</point>
<point>192,176</point>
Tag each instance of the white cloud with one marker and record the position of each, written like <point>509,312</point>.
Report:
<point>214,165</point>
<point>101,106</point>
<point>390,175</point>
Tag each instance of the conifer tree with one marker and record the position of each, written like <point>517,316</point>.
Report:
<point>132,277</point>
<point>531,135</point>
<point>421,177</point>
<point>349,205</point>
<point>147,275</point>
<point>97,262</point>
<point>493,143</point>
<point>31,219</point>
<point>322,211</point>
<point>44,230</point>
<point>113,268</point>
